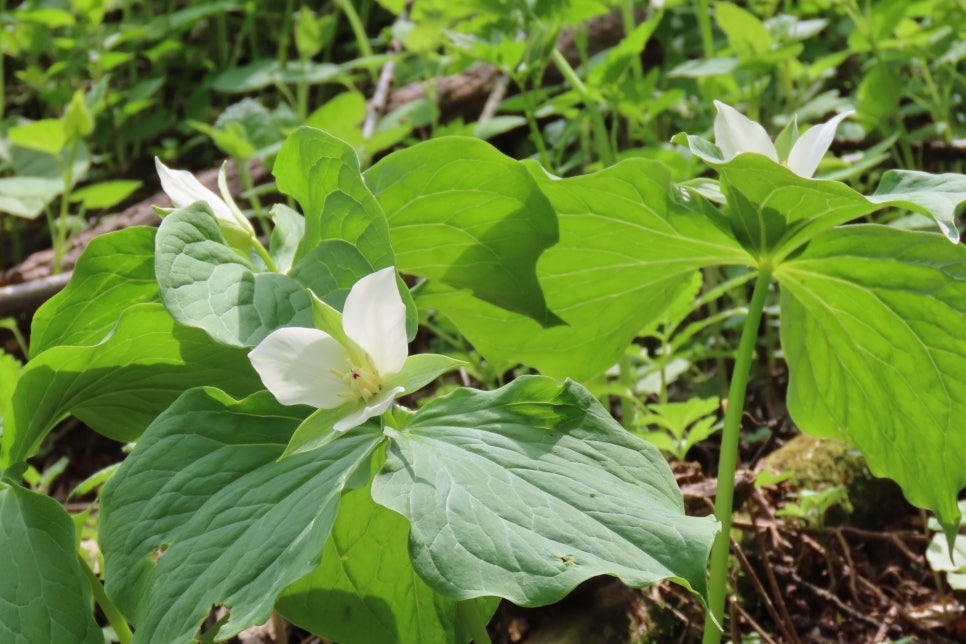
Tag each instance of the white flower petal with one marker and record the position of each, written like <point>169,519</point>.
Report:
<point>374,317</point>
<point>184,189</point>
<point>735,133</point>
<point>375,406</point>
<point>812,146</point>
<point>296,364</point>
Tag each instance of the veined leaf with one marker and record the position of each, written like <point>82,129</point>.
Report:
<point>526,491</point>
<point>463,213</point>
<point>202,513</point>
<point>114,272</point>
<point>322,174</point>
<point>44,596</point>
<point>872,328</point>
<point>118,386</point>
<point>628,241</point>
<point>809,206</point>
<point>366,590</point>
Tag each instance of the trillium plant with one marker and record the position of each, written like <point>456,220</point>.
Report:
<point>297,453</point>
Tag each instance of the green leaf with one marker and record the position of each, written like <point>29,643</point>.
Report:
<point>463,213</point>
<point>114,272</point>
<point>746,34</point>
<point>526,491</point>
<point>208,285</point>
<point>935,195</point>
<point>45,135</point>
<point>78,121</point>
<point>629,240</point>
<point>105,194</point>
<point>9,375</point>
<point>366,590</point>
<point>28,196</point>
<point>322,174</point>
<point>117,387</point>
<point>810,206</point>
<point>872,328</point>
<point>286,235</point>
<point>44,596</point>
<point>202,513</point>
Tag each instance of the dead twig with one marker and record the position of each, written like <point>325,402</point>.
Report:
<point>376,106</point>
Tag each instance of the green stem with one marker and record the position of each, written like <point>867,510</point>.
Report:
<point>358,30</point>
<point>472,618</point>
<point>60,237</point>
<point>269,264</point>
<point>627,402</point>
<point>246,178</point>
<point>704,24</point>
<point>728,459</point>
<point>113,615</point>
<point>531,115</point>
<point>601,136</point>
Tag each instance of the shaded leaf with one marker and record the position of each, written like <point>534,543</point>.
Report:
<point>44,596</point>
<point>629,240</point>
<point>115,271</point>
<point>526,491</point>
<point>117,387</point>
<point>231,524</point>
<point>462,213</point>
<point>872,328</point>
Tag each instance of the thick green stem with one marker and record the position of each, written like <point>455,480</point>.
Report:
<point>113,615</point>
<point>728,459</point>
<point>472,618</point>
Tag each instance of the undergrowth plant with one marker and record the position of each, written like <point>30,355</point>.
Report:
<point>275,467</point>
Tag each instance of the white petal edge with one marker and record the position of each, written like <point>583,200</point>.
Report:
<point>296,364</point>
<point>374,407</point>
<point>735,133</point>
<point>810,147</point>
<point>374,317</point>
<point>184,189</point>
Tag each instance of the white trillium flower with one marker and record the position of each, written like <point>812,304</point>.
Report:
<point>184,189</point>
<point>311,367</point>
<point>735,133</point>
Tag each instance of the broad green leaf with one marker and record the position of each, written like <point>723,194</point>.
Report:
<point>746,34</point>
<point>44,596</point>
<point>9,374</point>
<point>286,235</point>
<point>526,491</point>
<point>463,213</point>
<point>629,240</point>
<point>45,135</point>
<point>203,513</point>
<point>28,196</point>
<point>114,272</point>
<point>936,195</point>
<point>366,590</point>
<point>322,174</point>
<point>208,285</point>
<point>872,328</point>
<point>117,387</point>
<point>809,206</point>
<point>78,121</point>
<point>105,194</point>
